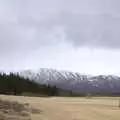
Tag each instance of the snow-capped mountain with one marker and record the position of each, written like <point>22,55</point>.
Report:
<point>75,81</point>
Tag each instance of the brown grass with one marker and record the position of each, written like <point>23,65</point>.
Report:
<point>66,108</point>
<point>13,110</point>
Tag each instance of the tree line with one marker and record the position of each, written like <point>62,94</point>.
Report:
<point>15,84</point>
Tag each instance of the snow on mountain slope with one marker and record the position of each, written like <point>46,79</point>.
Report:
<point>75,81</point>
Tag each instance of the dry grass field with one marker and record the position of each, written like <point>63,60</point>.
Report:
<point>68,108</point>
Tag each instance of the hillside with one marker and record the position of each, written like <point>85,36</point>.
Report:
<point>102,84</point>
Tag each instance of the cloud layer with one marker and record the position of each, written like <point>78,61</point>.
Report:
<point>30,27</point>
<point>36,23</point>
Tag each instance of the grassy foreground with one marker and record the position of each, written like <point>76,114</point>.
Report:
<point>68,108</point>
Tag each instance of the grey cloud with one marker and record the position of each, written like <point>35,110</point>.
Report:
<point>93,30</point>
<point>93,27</point>
<point>100,30</point>
<point>29,25</point>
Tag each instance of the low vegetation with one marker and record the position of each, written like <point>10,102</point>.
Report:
<point>12,110</point>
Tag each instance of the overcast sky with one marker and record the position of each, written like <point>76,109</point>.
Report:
<point>76,35</point>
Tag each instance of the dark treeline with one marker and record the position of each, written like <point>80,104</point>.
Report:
<point>14,84</point>
<point>17,85</point>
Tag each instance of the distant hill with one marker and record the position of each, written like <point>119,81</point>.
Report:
<point>50,82</point>
<point>75,82</point>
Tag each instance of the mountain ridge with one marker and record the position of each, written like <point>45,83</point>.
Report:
<point>74,81</point>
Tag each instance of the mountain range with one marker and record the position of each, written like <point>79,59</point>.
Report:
<point>74,81</point>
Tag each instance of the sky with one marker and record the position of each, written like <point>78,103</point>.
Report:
<point>76,35</point>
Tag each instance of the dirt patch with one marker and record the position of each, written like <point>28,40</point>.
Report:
<point>12,110</point>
